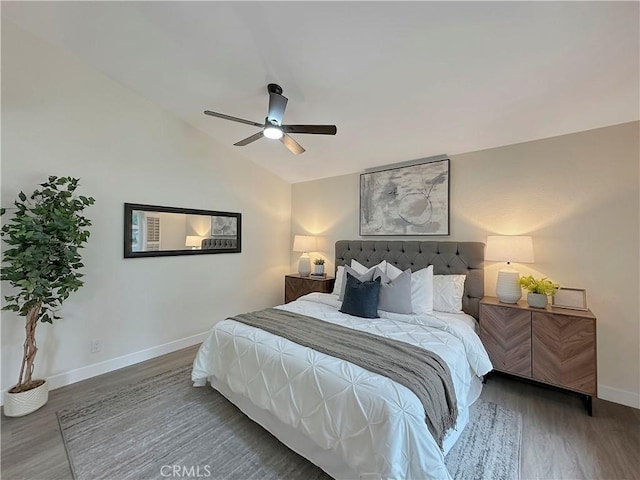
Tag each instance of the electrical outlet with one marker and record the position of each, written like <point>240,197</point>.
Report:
<point>96,346</point>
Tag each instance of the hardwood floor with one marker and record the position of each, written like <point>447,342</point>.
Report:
<point>559,440</point>
<point>32,447</point>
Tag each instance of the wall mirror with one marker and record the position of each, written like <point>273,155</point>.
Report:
<point>153,231</point>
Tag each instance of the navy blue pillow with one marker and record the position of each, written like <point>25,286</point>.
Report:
<point>361,298</point>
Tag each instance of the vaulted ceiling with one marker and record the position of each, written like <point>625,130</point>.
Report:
<point>401,80</point>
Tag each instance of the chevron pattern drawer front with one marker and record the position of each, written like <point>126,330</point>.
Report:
<point>506,335</point>
<point>296,286</point>
<point>548,345</point>
<point>564,351</point>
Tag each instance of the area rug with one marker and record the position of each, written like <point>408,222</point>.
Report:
<point>163,427</point>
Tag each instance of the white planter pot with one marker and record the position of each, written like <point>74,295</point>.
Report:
<point>318,269</point>
<point>537,300</point>
<point>23,403</point>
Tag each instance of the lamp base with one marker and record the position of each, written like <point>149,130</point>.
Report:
<point>304,265</point>
<point>508,288</point>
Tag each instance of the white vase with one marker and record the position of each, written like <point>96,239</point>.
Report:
<point>508,288</point>
<point>304,265</point>
<point>537,300</point>
<point>318,269</point>
<point>23,403</point>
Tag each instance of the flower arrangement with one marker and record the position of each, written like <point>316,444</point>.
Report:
<point>542,286</point>
<point>318,261</point>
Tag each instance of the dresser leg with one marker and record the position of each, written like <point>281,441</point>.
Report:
<point>588,403</point>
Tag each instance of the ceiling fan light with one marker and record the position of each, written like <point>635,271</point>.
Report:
<point>273,132</point>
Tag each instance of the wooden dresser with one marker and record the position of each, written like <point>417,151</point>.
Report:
<point>549,345</point>
<point>296,286</point>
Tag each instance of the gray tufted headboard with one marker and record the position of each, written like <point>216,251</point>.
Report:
<point>219,243</point>
<point>465,258</point>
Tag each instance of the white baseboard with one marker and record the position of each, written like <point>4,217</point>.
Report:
<point>605,392</point>
<point>623,397</point>
<point>73,376</point>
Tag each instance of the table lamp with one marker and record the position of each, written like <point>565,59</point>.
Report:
<point>193,241</point>
<point>304,244</point>
<point>509,248</point>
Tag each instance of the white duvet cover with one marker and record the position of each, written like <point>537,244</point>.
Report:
<point>368,423</point>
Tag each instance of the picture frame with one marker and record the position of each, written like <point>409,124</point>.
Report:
<point>571,298</point>
<point>410,200</point>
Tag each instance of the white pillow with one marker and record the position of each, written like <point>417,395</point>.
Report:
<point>337,286</point>
<point>358,267</point>
<point>447,293</point>
<point>361,269</point>
<point>421,287</point>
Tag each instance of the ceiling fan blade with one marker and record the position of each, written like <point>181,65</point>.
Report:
<point>233,119</point>
<point>248,140</point>
<point>277,104</point>
<point>315,129</point>
<point>292,145</point>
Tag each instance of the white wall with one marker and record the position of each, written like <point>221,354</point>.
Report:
<point>60,117</point>
<point>199,225</point>
<point>173,230</point>
<point>577,195</point>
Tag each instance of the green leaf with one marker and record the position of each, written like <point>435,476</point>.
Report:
<point>42,241</point>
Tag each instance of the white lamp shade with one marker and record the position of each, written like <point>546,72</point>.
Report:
<point>304,243</point>
<point>193,241</point>
<point>509,248</point>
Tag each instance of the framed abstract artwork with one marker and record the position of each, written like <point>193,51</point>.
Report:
<point>409,200</point>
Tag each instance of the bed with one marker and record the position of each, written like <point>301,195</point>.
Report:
<point>349,421</point>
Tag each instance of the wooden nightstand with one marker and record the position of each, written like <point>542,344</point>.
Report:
<point>295,286</point>
<point>548,345</point>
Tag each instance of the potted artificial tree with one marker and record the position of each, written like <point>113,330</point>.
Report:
<point>40,261</point>
<point>538,289</point>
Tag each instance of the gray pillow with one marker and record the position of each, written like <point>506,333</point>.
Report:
<point>361,298</point>
<point>395,295</point>
<point>363,277</point>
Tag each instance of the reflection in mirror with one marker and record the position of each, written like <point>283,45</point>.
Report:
<point>151,230</point>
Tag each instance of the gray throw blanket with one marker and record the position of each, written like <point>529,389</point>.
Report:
<point>423,372</point>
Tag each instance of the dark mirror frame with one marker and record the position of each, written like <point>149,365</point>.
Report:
<point>128,218</point>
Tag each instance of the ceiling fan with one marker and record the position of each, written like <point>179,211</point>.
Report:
<point>273,128</point>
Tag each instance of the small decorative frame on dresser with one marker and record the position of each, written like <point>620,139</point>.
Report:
<point>546,345</point>
<point>572,298</point>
